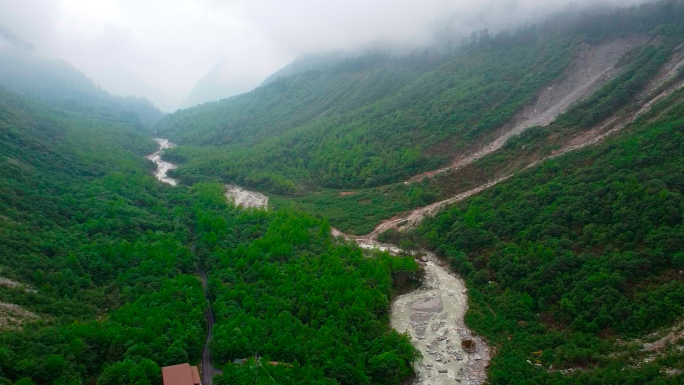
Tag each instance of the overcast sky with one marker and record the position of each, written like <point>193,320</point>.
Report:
<point>171,44</point>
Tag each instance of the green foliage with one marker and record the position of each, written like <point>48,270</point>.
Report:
<point>284,289</point>
<point>581,247</point>
<point>99,250</point>
<point>361,211</point>
<point>387,119</point>
<point>128,372</point>
<point>358,212</point>
<point>379,119</point>
<point>104,257</point>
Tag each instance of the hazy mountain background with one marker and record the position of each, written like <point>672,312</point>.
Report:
<point>26,71</point>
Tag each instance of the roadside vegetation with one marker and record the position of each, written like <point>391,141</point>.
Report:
<point>101,253</point>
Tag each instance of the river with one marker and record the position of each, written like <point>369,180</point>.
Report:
<point>431,315</point>
<point>162,166</point>
<point>246,198</point>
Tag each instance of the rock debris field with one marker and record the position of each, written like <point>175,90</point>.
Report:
<point>245,198</point>
<point>433,317</point>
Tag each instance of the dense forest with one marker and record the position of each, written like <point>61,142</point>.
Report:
<point>359,211</point>
<point>573,265</point>
<point>570,261</point>
<point>381,118</point>
<point>389,112</point>
<point>99,279</point>
<point>295,296</point>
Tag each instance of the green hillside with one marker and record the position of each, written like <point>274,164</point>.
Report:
<point>366,122</point>
<point>57,82</point>
<point>381,118</point>
<point>99,281</point>
<point>359,211</point>
<point>568,235</point>
<point>569,262</point>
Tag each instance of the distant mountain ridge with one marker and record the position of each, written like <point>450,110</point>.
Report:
<point>310,62</point>
<point>24,71</point>
<point>213,87</point>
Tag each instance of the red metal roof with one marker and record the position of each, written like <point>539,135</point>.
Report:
<point>178,375</point>
<point>195,375</point>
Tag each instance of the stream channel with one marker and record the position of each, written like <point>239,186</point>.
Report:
<point>432,315</point>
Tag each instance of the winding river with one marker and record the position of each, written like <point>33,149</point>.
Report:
<point>162,166</point>
<point>431,315</point>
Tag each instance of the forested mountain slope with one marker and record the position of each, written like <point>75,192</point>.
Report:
<point>379,119</point>
<point>571,260</point>
<point>569,235</point>
<point>367,121</point>
<point>648,74</point>
<point>25,71</point>
<point>98,277</point>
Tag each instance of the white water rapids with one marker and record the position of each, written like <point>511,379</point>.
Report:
<point>162,166</point>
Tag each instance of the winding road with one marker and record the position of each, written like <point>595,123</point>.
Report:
<point>208,370</point>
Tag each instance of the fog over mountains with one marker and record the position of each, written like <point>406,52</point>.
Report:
<point>358,192</point>
<point>175,57</point>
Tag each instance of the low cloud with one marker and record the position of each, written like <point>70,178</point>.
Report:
<point>171,44</point>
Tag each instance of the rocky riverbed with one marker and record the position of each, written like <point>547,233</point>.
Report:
<point>433,317</point>
<point>246,198</point>
<point>162,166</point>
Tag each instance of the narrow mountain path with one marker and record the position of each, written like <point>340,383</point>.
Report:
<point>208,370</point>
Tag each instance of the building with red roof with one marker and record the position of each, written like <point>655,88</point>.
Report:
<point>182,374</point>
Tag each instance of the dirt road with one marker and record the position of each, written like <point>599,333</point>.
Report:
<point>208,370</point>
